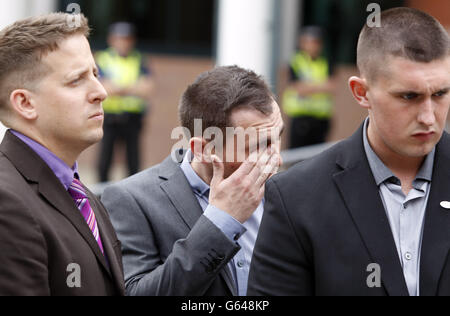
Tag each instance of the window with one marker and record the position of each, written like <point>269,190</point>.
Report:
<point>164,26</point>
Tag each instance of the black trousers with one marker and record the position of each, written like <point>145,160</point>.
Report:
<point>306,131</point>
<point>122,127</point>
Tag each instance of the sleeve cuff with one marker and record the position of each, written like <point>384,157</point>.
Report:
<point>225,222</point>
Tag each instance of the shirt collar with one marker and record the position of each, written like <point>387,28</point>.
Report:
<point>196,183</point>
<point>426,171</point>
<point>382,173</point>
<point>63,172</point>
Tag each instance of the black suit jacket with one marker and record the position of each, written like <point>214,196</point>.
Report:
<point>325,223</point>
<point>42,232</point>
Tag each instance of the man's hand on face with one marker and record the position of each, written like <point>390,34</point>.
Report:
<point>240,194</point>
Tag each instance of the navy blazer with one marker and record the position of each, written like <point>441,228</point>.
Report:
<point>325,224</point>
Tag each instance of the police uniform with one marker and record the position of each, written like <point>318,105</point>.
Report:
<point>123,114</point>
<point>310,114</point>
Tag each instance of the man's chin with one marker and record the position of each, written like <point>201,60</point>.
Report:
<point>94,138</point>
<point>421,151</point>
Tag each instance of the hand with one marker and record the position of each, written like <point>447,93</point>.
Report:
<point>240,194</point>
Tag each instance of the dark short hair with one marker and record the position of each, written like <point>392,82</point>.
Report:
<point>313,31</point>
<point>124,29</point>
<point>216,93</point>
<point>404,32</point>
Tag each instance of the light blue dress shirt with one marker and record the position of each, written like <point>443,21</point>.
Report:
<point>245,234</point>
<point>406,214</point>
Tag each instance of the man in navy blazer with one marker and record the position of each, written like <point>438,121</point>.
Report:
<point>371,215</point>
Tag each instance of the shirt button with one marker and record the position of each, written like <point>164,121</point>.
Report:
<point>241,264</point>
<point>408,256</point>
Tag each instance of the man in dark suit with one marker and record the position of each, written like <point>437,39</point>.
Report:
<point>371,215</point>
<point>55,235</point>
<point>188,225</point>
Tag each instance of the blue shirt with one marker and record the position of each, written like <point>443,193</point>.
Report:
<point>63,172</point>
<point>245,233</point>
<point>406,214</point>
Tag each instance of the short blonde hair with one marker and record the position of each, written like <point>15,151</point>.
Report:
<point>24,44</point>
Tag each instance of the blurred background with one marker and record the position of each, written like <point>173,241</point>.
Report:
<point>182,38</point>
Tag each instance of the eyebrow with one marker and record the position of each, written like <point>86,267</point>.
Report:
<point>80,72</point>
<point>417,92</point>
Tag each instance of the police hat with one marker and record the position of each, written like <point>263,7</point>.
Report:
<point>124,29</point>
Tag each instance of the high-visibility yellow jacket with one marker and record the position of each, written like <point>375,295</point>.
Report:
<point>312,71</point>
<point>123,72</point>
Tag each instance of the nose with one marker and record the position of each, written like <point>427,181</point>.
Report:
<point>98,93</point>
<point>426,115</point>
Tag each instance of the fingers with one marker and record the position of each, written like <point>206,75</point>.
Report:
<point>218,170</point>
<point>248,165</point>
<point>262,190</point>
<point>267,170</point>
<point>258,167</point>
<point>263,167</point>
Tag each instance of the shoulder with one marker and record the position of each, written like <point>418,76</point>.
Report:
<point>317,169</point>
<point>146,182</point>
<point>443,148</point>
<point>445,139</point>
<point>138,182</point>
<point>16,198</point>
<point>11,181</point>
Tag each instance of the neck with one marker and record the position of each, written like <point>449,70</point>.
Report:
<point>204,171</point>
<point>67,154</point>
<point>69,158</point>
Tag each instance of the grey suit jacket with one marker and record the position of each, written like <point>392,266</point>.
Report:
<point>169,248</point>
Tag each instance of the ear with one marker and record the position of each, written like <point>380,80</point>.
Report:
<point>23,104</point>
<point>197,144</point>
<point>359,89</point>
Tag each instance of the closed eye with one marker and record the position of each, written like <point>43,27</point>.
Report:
<point>74,82</point>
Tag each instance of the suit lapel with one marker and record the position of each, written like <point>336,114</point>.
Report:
<point>106,233</point>
<point>35,170</point>
<point>436,235</point>
<point>183,199</point>
<point>53,191</point>
<point>180,193</point>
<point>361,196</point>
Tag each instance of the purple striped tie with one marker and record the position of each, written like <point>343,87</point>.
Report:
<point>78,194</point>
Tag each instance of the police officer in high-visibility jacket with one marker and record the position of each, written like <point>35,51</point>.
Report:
<point>307,100</point>
<point>129,85</point>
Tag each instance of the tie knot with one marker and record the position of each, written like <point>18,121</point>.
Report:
<point>76,190</point>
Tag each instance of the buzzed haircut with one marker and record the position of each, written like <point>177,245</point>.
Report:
<point>404,32</point>
<point>216,93</point>
<point>24,44</point>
